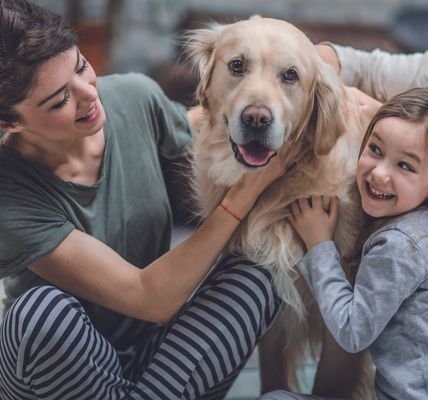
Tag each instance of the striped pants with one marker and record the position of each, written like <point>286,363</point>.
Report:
<point>49,348</point>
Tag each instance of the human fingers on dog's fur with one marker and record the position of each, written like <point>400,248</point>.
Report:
<point>304,204</point>
<point>317,202</point>
<point>295,209</point>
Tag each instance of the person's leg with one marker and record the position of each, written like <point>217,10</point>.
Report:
<point>204,348</point>
<point>50,350</point>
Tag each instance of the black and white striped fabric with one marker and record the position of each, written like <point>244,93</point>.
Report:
<point>50,350</point>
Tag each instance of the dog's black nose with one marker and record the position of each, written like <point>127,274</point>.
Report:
<point>256,117</point>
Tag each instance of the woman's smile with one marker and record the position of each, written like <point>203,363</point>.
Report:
<point>92,115</point>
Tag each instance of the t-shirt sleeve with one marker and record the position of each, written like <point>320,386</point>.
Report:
<point>141,99</point>
<point>171,125</point>
<point>30,227</point>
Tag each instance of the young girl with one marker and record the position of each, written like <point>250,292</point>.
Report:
<point>386,310</point>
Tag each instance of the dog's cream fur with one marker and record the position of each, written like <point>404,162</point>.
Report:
<point>312,113</point>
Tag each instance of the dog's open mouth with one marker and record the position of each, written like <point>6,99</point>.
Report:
<point>252,154</point>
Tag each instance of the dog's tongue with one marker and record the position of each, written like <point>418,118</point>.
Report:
<point>255,154</point>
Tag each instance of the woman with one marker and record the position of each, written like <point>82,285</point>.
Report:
<point>97,307</point>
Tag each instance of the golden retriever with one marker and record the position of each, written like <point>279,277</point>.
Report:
<point>262,85</point>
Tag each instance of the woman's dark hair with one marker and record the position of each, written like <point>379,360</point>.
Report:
<point>29,36</point>
<point>411,106</point>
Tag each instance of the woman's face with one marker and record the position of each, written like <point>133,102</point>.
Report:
<point>63,105</point>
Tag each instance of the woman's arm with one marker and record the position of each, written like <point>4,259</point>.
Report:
<point>89,269</point>
<point>378,73</point>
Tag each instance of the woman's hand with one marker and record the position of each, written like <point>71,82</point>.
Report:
<point>367,104</point>
<point>313,224</point>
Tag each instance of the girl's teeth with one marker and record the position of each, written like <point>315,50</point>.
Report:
<point>378,194</point>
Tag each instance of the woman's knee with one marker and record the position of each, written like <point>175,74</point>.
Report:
<point>37,310</point>
<point>249,287</point>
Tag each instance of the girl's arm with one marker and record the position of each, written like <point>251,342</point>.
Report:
<point>89,269</point>
<point>390,271</point>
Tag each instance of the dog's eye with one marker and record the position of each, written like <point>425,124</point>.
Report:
<point>236,66</point>
<point>290,75</point>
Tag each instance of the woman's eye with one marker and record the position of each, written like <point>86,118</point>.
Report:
<point>236,66</point>
<point>290,76</point>
<point>406,166</point>
<point>63,102</point>
<point>83,67</point>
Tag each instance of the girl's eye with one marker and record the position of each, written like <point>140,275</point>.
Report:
<point>406,166</point>
<point>63,102</point>
<point>83,67</point>
<point>236,66</point>
<point>375,149</point>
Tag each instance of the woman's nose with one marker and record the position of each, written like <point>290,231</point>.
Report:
<point>87,92</point>
<point>84,89</point>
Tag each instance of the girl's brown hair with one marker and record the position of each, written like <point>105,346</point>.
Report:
<point>411,106</point>
<point>29,36</point>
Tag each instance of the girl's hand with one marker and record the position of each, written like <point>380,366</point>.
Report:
<point>313,224</point>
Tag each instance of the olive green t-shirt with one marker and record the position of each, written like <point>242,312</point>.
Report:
<point>127,208</point>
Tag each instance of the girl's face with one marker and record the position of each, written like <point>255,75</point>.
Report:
<point>392,172</point>
<point>63,104</point>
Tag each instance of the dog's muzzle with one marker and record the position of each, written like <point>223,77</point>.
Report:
<point>255,123</point>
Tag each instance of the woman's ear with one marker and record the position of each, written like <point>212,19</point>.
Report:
<point>9,127</point>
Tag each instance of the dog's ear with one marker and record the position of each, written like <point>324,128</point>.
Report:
<point>200,50</point>
<point>327,120</point>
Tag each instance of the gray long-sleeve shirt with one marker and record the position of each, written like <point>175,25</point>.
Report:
<point>387,309</point>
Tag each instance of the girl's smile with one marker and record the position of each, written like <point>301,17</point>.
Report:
<point>378,194</point>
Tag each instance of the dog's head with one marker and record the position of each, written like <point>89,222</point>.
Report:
<point>263,82</point>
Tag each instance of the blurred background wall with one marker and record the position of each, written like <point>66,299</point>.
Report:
<point>141,35</point>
